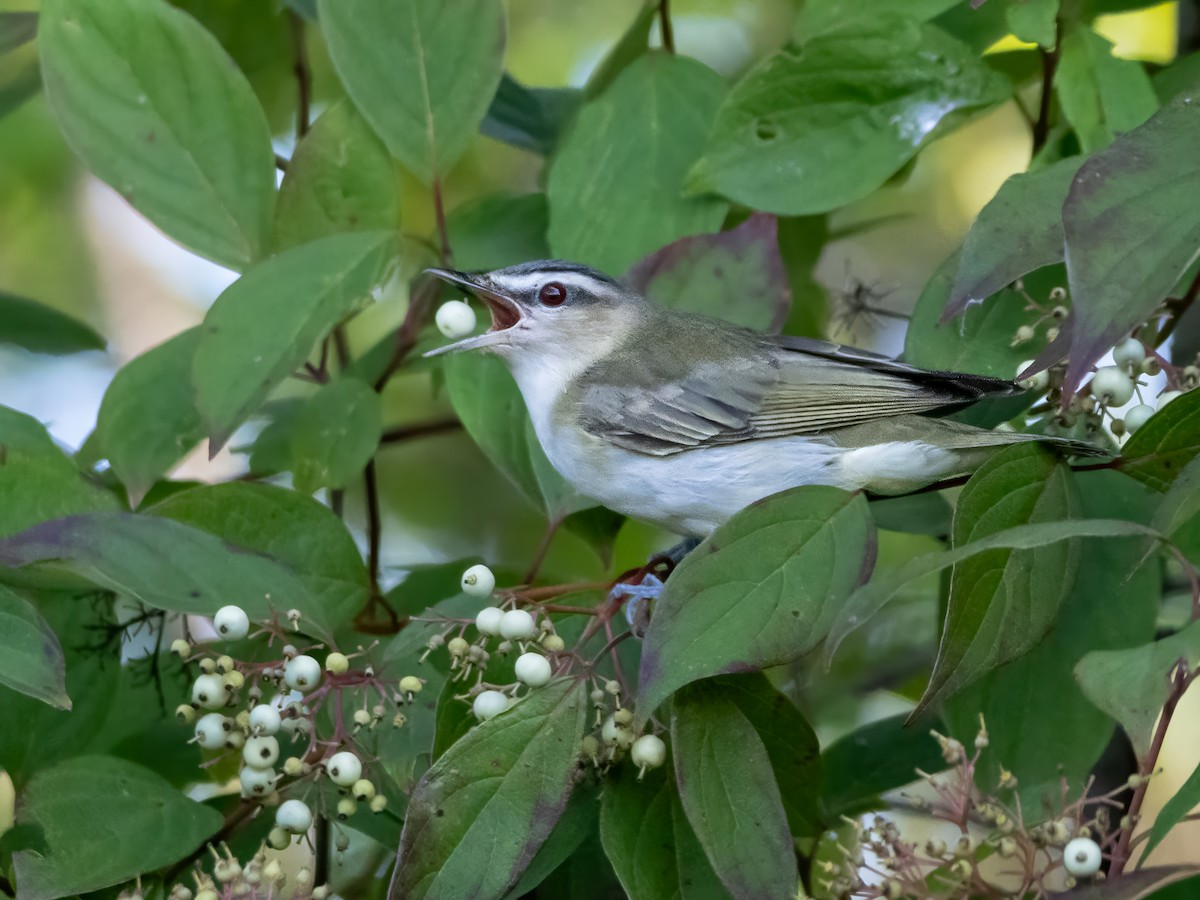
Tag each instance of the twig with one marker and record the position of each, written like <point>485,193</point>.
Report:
<point>374,525</point>
<point>302,72</point>
<point>664,18</point>
<point>409,331</point>
<point>423,429</point>
<point>1041,128</point>
<point>1177,307</point>
<point>234,819</point>
<point>281,162</point>
<point>543,547</point>
<point>321,863</point>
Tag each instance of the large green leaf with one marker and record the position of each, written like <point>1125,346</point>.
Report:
<point>148,420</point>
<point>648,839</point>
<point>530,118</point>
<point>729,794</point>
<point>736,275</point>
<point>1018,231</point>
<point>501,788</point>
<point>801,242</point>
<point>574,826</point>
<point>1003,602</point>
<point>762,590</point>
<point>31,659</point>
<point>340,178</point>
<point>872,759</point>
<point>299,532</point>
<point>1101,95</point>
<point>164,564</point>
<point>42,329</point>
<point>1131,229</point>
<point>105,820</point>
<point>1034,21</point>
<point>499,230</point>
<point>1165,445</point>
<point>422,72</point>
<point>263,327</point>
<point>335,435</point>
<point>616,182</point>
<point>817,126</point>
<point>37,480</point>
<point>154,107</point>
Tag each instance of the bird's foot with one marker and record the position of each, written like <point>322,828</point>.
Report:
<point>642,585</point>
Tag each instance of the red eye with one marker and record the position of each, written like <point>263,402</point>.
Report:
<point>552,294</point>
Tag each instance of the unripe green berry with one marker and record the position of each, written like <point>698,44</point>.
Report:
<point>378,803</point>
<point>347,807</point>
<point>363,790</point>
<point>553,643</point>
<point>336,663</point>
<point>411,684</point>
<point>180,647</point>
<point>293,767</point>
<point>458,647</point>
<point>279,839</point>
<point>185,713</point>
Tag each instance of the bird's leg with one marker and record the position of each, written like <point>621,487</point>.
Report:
<point>645,583</point>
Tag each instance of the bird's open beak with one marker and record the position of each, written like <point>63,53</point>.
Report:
<point>505,311</point>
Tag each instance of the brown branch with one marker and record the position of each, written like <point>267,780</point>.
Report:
<point>302,72</point>
<point>664,18</point>
<point>543,547</point>
<point>281,162</point>
<point>374,525</point>
<point>1177,307</point>
<point>409,332</point>
<point>1041,128</point>
<point>423,429</point>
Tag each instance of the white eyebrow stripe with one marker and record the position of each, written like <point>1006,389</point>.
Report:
<point>531,281</point>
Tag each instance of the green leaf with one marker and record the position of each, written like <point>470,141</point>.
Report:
<point>1101,95</point>
<point>37,480</point>
<point>1041,727</point>
<point>499,230</point>
<point>1181,75</point>
<point>736,275</point>
<point>1003,602</point>
<point>1161,449</point>
<point>1018,231</point>
<point>1034,21</point>
<point>105,821</point>
<point>760,591</point>
<point>632,146</point>
<point>529,118</point>
<point>1180,507</point>
<point>1154,881</point>
<point>801,242</point>
<point>31,659</point>
<point>335,435</point>
<point>1131,229</point>
<point>299,532</point>
<point>502,787</point>
<point>873,759</point>
<point>729,794</point>
<point>575,825</point>
<point>872,597</point>
<point>16,28</point>
<point>816,16</point>
<point>339,179</point>
<point>633,43</point>
<point>422,72</point>
<point>164,564</point>
<point>263,326</point>
<point>271,451</point>
<point>148,421</point>
<point>818,126</point>
<point>1182,802</point>
<point>648,840</point>
<point>492,410</point>
<point>929,514</point>
<point>42,329</point>
<point>151,103</point>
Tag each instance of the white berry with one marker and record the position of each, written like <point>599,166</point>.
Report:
<point>1136,417</point>
<point>648,752</point>
<point>1082,857</point>
<point>487,620</point>
<point>1112,387</point>
<point>294,816</point>
<point>517,625</point>
<point>455,319</point>
<point>256,782</point>
<point>1129,354</point>
<point>478,581</point>
<point>209,692</point>
<point>264,719</point>
<point>261,752</point>
<point>344,768</point>
<point>1167,396</point>
<point>1038,381</point>
<point>302,673</point>
<point>533,669</point>
<point>489,704</point>
<point>211,731</point>
<point>231,623</point>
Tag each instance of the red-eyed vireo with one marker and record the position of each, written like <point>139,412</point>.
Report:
<point>682,420</point>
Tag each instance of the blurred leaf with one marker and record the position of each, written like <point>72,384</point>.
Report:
<point>760,591</point>
<point>1101,95</point>
<point>818,126</point>
<point>305,8</point>
<point>271,451</point>
<point>1034,21</point>
<point>1018,231</point>
<point>1179,509</point>
<point>1003,602</point>
<point>165,565</point>
<point>148,420</point>
<point>336,435</point>
<point>1166,444</point>
<point>1041,727</point>
<point>815,16</point>
<point>31,659</point>
<point>105,821</point>
<point>1153,881</point>
<point>264,325</point>
<point>38,482</point>
<point>729,794</point>
<point>648,839</point>
<point>915,514</point>
<point>801,241</point>
<point>632,146</point>
<point>16,90</point>
<point>872,759</point>
<point>499,230</point>
<point>16,28</point>
<point>633,43</point>
<point>1182,75</point>
<point>295,530</point>
<point>736,275</point>
<point>600,527</point>
<point>976,26</point>
<point>339,179</point>
<point>42,329</point>
<point>422,72</point>
<point>574,826</point>
<point>503,787</point>
<point>530,118</point>
<point>585,875</point>
<point>1131,229</point>
<point>149,100</point>
<point>1177,807</point>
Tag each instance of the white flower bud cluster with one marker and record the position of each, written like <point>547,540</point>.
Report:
<point>258,879</point>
